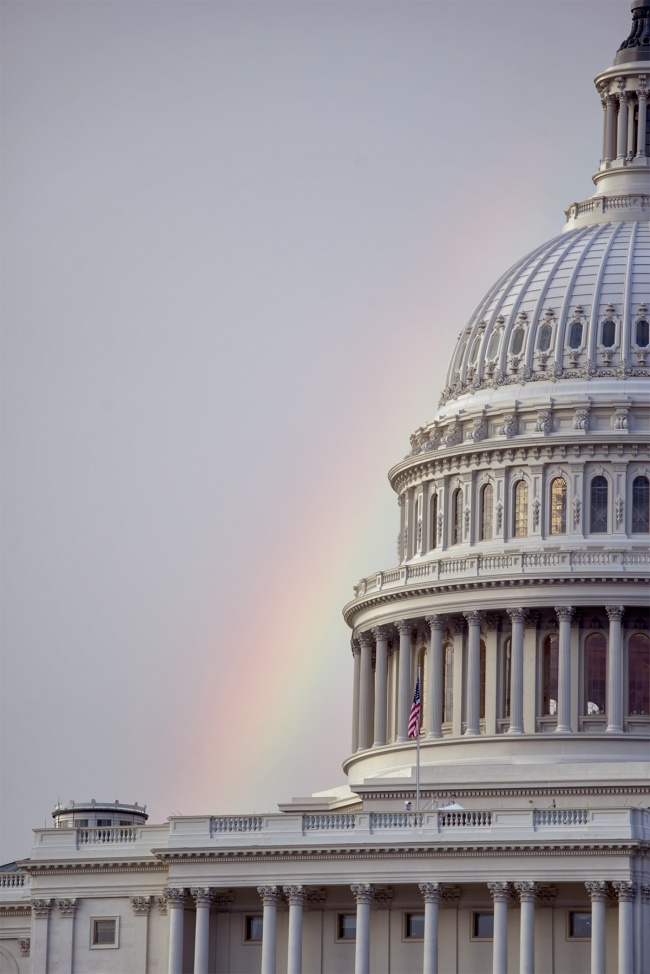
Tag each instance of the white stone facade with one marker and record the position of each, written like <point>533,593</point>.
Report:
<point>515,835</point>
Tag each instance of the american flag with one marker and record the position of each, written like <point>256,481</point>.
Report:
<point>414,716</point>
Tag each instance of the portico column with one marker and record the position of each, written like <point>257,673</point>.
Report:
<point>527,896</point>
<point>141,906</point>
<point>40,926</point>
<point>615,670</point>
<point>565,615</point>
<point>404,689</point>
<point>356,680</point>
<point>363,896</point>
<point>203,899</point>
<point>431,896</point>
<point>176,906</point>
<point>365,690</point>
<point>473,674</point>
<point>270,896</point>
<point>381,683</point>
<point>621,137</point>
<point>625,892</point>
<point>642,95</point>
<point>517,672</point>
<point>433,712</point>
<point>295,896</point>
<point>67,909</point>
<point>500,893</point>
<point>598,895</point>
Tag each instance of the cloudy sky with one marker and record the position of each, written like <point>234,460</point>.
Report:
<point>240,239</point>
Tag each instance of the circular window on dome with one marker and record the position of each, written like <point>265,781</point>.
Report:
<point>544,337</point>
<point>517,341</point>
<point>493,345</point>
<point>608,333</point>
<point>642,333</point>
<point>575,334</point>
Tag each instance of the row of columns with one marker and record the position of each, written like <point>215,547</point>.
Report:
<point>370,692</point>
<point>502,893</point>
<point>619,127</point>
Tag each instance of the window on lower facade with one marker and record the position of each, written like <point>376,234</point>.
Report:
<point>595,674</point>
<point>433,528</point>
<point>550,648</point>
<point>520,510</point>
<point>346,926</point>
<point>640,505</point>
<point>253,926</point>
<point>457,517</point>
<point>638,674</point>
<point>598,506</point>
<point>103,931</point>
<point>414,926</point>
<point>558,506</point>
<point>487,503</point>
<point>483,925</point>
<point>579,924</point>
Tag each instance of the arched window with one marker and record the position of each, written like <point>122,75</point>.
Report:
<point>417,540</point>
<point>487,497</point>
<point>457,517</point>
<point>517,341</point>
<point>433,524</point>
<point>544,337</point>
<point>550,648</point>
<point>595,674</point>
<point>520,510</point>
<point>575,334</point>
<point>608,334</point>
<point>482,680</point>
<point>506,654</point>
<point>475,347</point>
<point>642,333</point>
<point>640,505</point>
<point>558,506</point>
<point>493,345</point>
<point>638,674</point>
<point>598,506</point>
<point>447,683</point>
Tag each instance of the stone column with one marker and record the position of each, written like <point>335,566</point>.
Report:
<point>270,896</point>
<point>527,896</point>
<point>564,614</point>
<point>431,896</point>
<point>203,897</point>
<point>517,617</point>
<point>644,926</point>
<point>598,895</point>
<point>365,691</point>
<point>621,135</point>
<point>500,893</point>
<point>66,908</point>
<point>640,132</point>
<point>381,683</point>
<point>615,670</point>
<point>630,128</point>
<point>610,101</point>
<point>363,895</point>
<point>296,896</point>
<point>625,891</point>
<point>141,906</point>
<point>176,907</point>
<point>356,681</point>
<point>434,678</point>
<point>473,674</point>
<point>404,689</point>
<point>40,926</point>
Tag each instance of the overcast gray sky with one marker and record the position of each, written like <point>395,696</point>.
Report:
<point>239,242</point>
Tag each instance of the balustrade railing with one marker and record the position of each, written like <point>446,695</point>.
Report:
<point>12,880</point>
<point>560,816</point>
<point>122,834</point>
<point>327,821</point>
<point>237,823</point>
<point>461,820</point>
<point>396,820</point>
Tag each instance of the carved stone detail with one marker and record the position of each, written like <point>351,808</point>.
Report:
<point>363,893</point>
<point>270,894</point>
<point>67,907</point>
<point>577,508</point>
<point>161,903</point>
<point>454,435</point>
<point>383,896</point>
<point>509,427</point>
<point>619,509</point>
<point>203,896</point>
<point>24,944</point>
<point>565,612</point>
<point>295,895</point>
<point>581,420</point>
<point>500,892</point>
<point>223,900</point>
<point>435,621</point>
<point>615,612</point>
<point>175,897</point>
<point>380,632</point>
<point>41,908</point>
<point>544,422</point>
<point>478,431</point>
<point>625,891</point>
<point>527,892</point>
<point>546,895</point>
<point>598,892</point>
<point>431,892</point>
<point>315,897</point>
<point>141,905</point>
<point>449,897</point>
<point>620,419</point>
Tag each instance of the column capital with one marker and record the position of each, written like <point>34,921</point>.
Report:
<point>598,892</point>
<point>161,903</point>
<point>500,892</point>
<point>564,613</point>
<point>449,896</point>
<point>546,895</point>
<point>223,900</point>
<point>141,905</point>
<point>175,897</point>
<point>383,896</point>
<point>625,891</point>
<point>67,907</point>
<point>380,632</point>
<point>615,612</point>
<point>295,895</point>
<point>405,626</point>
<point>355,649</point>
<point>365,638</point>
<point>517,615</point>
<point>315,897</point>
<point>363,893</point>
<point>473,617</point>
<point>24,944</point>
<point>270,895</point>
<point>492,620</point>
<point>435,622</point>
<point>202,896</point>
<point>430,892</point>
<point>41,908</point>
<point>644,890</point>
<point>527,892</point>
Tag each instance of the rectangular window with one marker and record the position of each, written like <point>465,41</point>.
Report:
<point>81,823</point>
<point>346,926</point>
<point>579,925</point>
<point>253,929</point>
<point>104,823</point>
<point>414,926</point>
<point>104,931</point>
<point>483,925</point>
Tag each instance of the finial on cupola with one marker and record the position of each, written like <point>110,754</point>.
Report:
<point>637,46</point>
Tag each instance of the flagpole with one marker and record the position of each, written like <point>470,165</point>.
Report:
<point>417,764</point>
